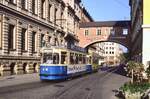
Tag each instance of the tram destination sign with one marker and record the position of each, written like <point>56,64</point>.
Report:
<point>77,48</point>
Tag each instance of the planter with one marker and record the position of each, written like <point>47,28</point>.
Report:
<point>129,95</point>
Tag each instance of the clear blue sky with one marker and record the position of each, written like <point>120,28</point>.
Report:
<point>106,10</point>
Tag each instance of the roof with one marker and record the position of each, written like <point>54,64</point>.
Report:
<point>87,14</point>
<point>105,24</point>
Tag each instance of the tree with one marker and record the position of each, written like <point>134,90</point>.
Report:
<point>135,70</point>
<point>124,57</point>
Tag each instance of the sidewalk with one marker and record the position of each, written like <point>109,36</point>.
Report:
<point>18,79</point>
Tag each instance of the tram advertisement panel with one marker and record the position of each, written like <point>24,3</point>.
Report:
<point>75,69</point>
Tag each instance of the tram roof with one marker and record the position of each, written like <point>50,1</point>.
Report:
<point>72,48</point>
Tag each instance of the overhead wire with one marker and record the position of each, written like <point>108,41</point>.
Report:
<point>121,3</point>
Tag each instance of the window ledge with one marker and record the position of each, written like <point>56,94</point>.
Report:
<point>12,49</point>
<point>12,3</point>
<point>34,14</point>
<point>24,51</point>
<point>24,9</point>
<point>34,52</point>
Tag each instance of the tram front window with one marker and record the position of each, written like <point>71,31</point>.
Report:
<point>51,58</point>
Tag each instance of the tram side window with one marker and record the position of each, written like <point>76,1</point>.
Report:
<point>95,60</point>
<point>56,58</point>
<point>63,58</point>
<point>84,59</point>
<point>76,58</point>
<point>51,58</point>
<point>71,58</point>
<point>90,60</point>
<point>80,59</point>
<point>48,59</point>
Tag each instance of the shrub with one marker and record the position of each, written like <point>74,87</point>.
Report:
<point>134,88</point>
<point>135,70</point>
<point>148,71</point>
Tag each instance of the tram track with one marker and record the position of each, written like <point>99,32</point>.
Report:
<point>82,84</point>
<point>63,87</point>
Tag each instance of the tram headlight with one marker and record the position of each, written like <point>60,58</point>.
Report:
<point>46,69</point>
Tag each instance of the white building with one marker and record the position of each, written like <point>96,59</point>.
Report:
<point>111,52</point>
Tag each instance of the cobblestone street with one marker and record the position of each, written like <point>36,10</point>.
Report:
<point>98,85</point>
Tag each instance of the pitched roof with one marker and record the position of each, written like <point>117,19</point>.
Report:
<point>105,24</point>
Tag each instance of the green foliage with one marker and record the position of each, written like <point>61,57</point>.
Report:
<point>134,88</point>
<point>135,70</point>
<point>124,57</point>
<point>132,65</point>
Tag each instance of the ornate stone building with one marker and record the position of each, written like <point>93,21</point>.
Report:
<point>26,25</point>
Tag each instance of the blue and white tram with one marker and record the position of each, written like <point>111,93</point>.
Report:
<point>61,63</point>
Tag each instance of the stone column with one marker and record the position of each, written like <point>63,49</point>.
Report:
<point>46,9</point>
<point>5,69</point>
<point>29,68</point>
<point>5,34</point>
<point>38,42</point>
<point>39,8</point>
<point>52,12</point>
<point>18,68</point>
<point>58,15</point>
<point>30,5</point>
<point>59,39</point>
<point>52,41</point>
<point>18,37</point>
<point>29,39</point>
<point>36,6</point>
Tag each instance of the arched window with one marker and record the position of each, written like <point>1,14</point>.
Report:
<point>24,4</point>
<point>11,37</point>
<point>12,1</point>
<point>33,6</point>
<point>49,12</point>
<point>34,39</point>
<point>43,9</point>
<point>24,39</point>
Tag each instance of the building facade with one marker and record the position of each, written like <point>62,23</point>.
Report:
<point>100,50</point>
<point>93,32</point>
<point>28,25</point>
<point>140,25</point>
<point>112,53</point>
<point>106,36</point>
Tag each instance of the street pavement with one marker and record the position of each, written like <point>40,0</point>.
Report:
<point>100,85</point>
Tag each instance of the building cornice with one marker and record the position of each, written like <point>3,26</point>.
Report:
<point>6,9</point>
<point>68,35</point>
<point>71,9</point>
<point>87,14</point>
<point>76,17</point>
<point>79,1</point>
<point>62,3</point>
